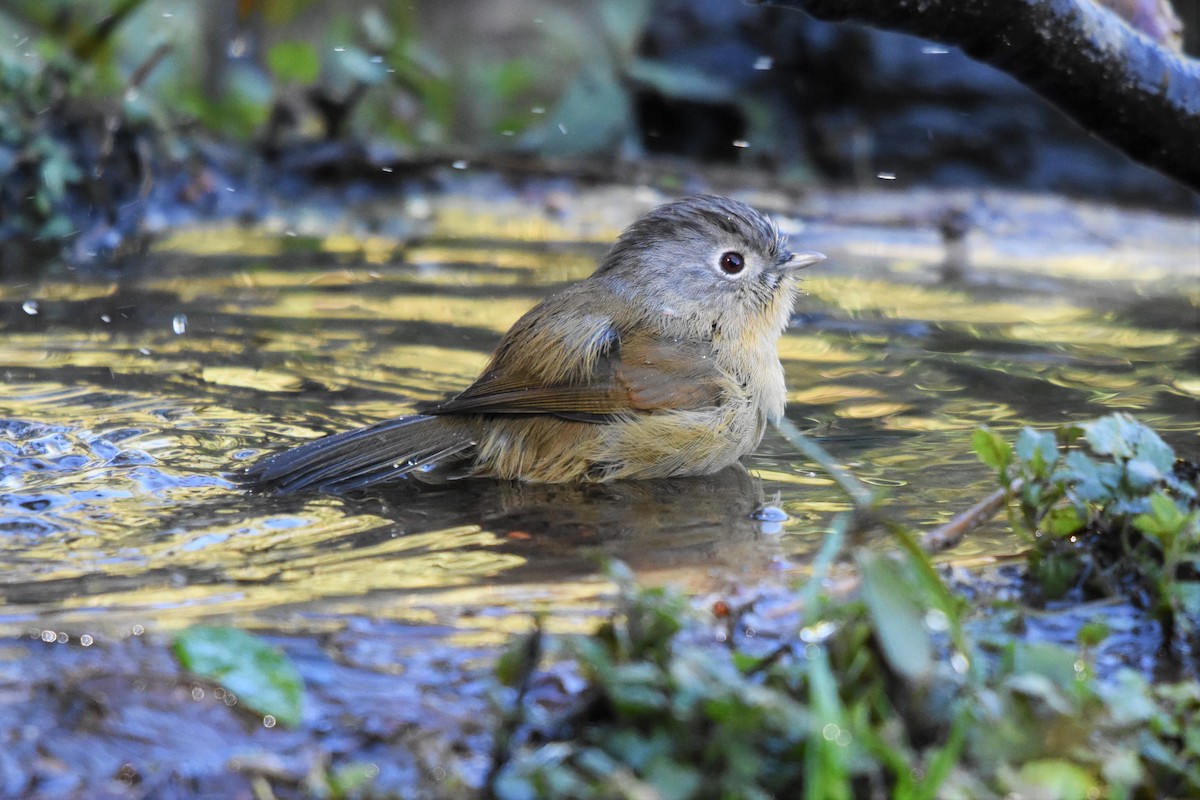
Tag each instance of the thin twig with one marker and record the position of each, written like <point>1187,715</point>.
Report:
<point>952,533</point>
<point>146,67</point>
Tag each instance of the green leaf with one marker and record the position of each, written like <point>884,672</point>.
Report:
<point>57,172</point>
<point>378,29</point>
<point>297,62</point>
<point>58,226</point>
<point>827,768</point>
<point>1057,778</point>
<point>897,616</point>
<point>1055,572</point>
<point>1094,483</point>
<point>992,449</point>
<point>352,779</point>
<point>1163,521</point>
<point>1043,690</point>
<point>746,662</point>
<point>672,780</point>
<point>1113,435</point>
<point>594,115</point>
<point>1149,446</point>
<point>1038,450</point>
<point>1187,595</point>
<point>1093,633</point>
<point>361,66</point>
<point>520,658</point>
<point>624,23</point>
<point>261,677</point>
<point>1127,699</point>
<point>1142,475</point>
<point>682,83</point>
<point>1050,660</point>
<point>944,758</point>
<point>1061,521</point>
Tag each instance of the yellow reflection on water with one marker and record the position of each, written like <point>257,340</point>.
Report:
<point>1094,333</point>
<point>935,304</point>
<point>832,393</point>
<point>250,378</point>
<point>222,239</point>
<point>1188,385</point>
<point>138,427</point>
<point>870,410</point>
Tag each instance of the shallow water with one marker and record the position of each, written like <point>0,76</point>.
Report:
<point>126,403</point>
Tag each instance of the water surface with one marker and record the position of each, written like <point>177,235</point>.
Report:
<point>128,400</point>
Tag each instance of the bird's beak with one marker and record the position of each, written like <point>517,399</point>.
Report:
<point>801,260</point>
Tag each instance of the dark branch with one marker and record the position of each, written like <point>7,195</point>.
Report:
<point>1136,95</point>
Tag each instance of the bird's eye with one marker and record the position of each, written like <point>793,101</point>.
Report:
<point>732,263</point>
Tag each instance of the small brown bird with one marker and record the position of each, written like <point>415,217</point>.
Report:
<point>661,363</point>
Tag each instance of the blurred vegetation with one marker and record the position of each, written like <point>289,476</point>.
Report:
<point>114,109</point>
<point>898,688</point>
<point>102,101</point>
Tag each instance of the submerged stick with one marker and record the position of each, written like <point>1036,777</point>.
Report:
<point>950,534</point>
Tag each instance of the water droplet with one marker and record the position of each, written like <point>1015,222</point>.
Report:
<point>936,620</point>
<point>771,514</point>
<point>30,307</point>
<point>179,324</point>
<point>763,63</point>
<point>818,632</point>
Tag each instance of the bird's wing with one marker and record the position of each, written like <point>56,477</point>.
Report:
<point>625,373</point>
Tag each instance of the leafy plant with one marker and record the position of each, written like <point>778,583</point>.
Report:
<point>832,710</point>
<point>885,692</point>
<point>37,167</point>
<point>669,713</point>
<point>1108,509</point>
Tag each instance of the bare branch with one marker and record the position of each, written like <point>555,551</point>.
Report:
<point>1140,97</point>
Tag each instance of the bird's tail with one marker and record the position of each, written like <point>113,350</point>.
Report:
<point>364,457</point>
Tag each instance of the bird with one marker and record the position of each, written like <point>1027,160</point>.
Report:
<point>662,363</point>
